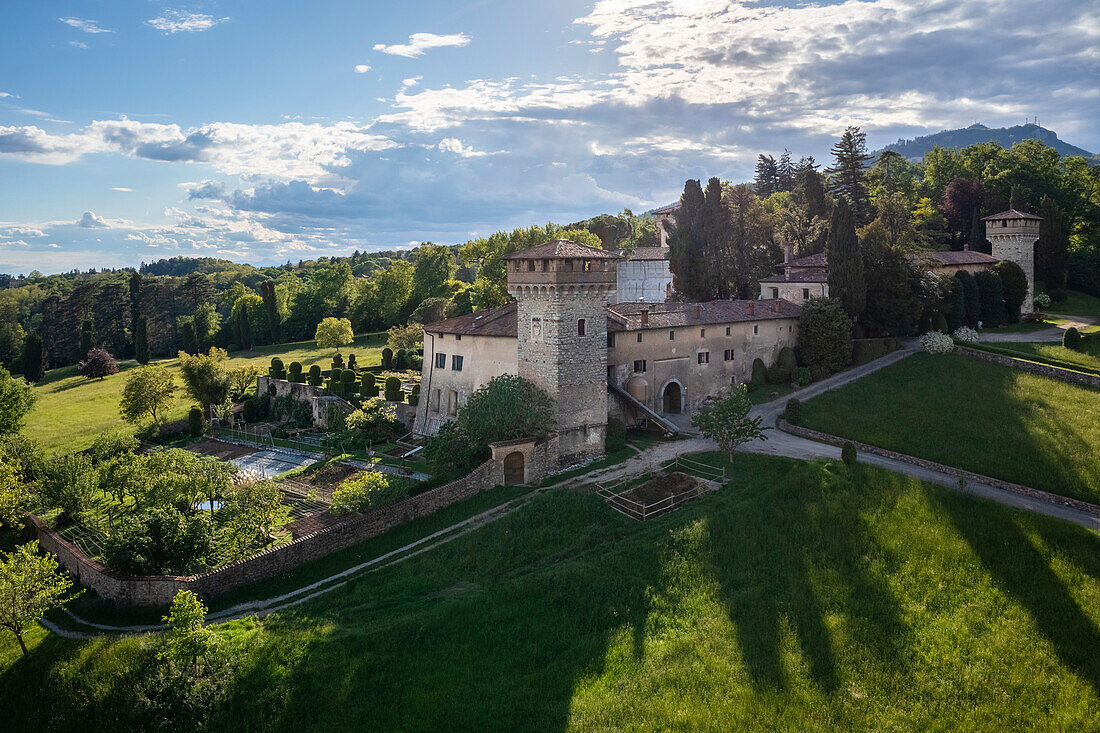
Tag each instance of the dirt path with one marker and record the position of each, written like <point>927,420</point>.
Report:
<point>1052,334</point>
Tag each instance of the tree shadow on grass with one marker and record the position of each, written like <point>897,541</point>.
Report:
<point>796,552</point>
<point>1021,571</point>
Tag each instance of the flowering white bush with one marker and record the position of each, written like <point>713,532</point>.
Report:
<point>935,342</point>
<point>1042,300</point>
<point>966,334</point>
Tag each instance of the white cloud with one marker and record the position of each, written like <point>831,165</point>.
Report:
<point>78,44</point>
<point>361,68</point>
<point>8,95</point>
<point>91,220</point>
<point>454,145</point>
<point>88,26</point>
<point>421,42</point>
<point>412,81</point>
<point>181,21</point>
<point>123,189</point>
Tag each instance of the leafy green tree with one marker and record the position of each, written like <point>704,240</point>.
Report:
<point>435,266</point>
<point>16,401</point>
<point>189,640</point>
<point>249,320</point>
<point>70,483</point>
<point>34,358</point>
<point>332,333</point>
<point>205,378</point>
<point>149,390</point>
<point>159,541</point>
<point>849,173</point>
<point>255,510</point>
<point>207,323</point>
<point>241,378</point>
<point>726,420</point>
<point>409,337</point>
<point>825,336</point>
<point>30,585</point>
<point>845,274</point>
<point>368,490</point>
<point>14,498</point>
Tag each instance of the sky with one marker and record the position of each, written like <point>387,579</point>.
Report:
<point>264,131</point>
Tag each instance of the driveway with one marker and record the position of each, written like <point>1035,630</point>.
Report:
<point>1052,334</point>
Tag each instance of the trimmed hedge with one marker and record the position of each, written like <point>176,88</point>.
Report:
<point>294,372</point>
<point>393,390</point>
<point>865,350</point>
<point>1071,339</point>
<point>848,454</point>
<point>414,396</point>
<point>276,370</point>
<point>196,422</point>
<point>759,373</point>
<point>778,375</point>
<point>387,358</point>
<point>793,411</point>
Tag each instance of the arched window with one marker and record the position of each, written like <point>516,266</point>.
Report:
<point>580,327</point>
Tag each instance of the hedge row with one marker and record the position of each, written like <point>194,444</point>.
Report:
<point>865,350</point>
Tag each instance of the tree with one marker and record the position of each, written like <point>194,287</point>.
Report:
<point>687,245</point>
<point>1052,247</point>
<point>248,319</point>
<point>825,336</point>
<point>991,294</point>
<point>255,510</point>
<point>241,378</point>
<point>16,400</point>
<point>98,364</point>
<point>159,541</point>
<point>972,298</point>
<point>189,640</point>
<point>87,337</point>
<point>332,333</point>
<point>14,496</point>
<point>271,310</point>
<point>726,421</point>
<point>33,361</point>
<point>30,585</point>
<point>149,390</point>
<point>962,201</point>
<point>435,266</point>
<point>1014,286</point>
<point>849,173</point>
<point>767,177</point>
<point>205,378</point>
<point>368,490</point>
<point>409,337</point>
<point>207,322</point>
<point>845,274</point>
<point>141,340</point>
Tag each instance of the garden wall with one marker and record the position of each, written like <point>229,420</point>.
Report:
<point>1065,375</point>
<point>318,398</point>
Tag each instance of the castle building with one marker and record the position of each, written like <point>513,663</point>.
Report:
<point>644,276</point>
<point>1013,235</point>
<point>596,357</point>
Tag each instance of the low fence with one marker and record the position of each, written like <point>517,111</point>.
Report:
<point>613,493</point>
<point>698,468</point>
<point>266,439</point>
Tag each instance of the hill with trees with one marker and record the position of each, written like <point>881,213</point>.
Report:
<point>1006,137</point>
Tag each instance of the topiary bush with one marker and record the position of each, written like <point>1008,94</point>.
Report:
<point>315,375</point>
<point>401,359</point>
<point>337,362</point>
<point>351,361</point>
<point>778,375</point>
<point>387,358</point>
<point>369,387</point>
<point>393,390</point>
<point>276,371</point>
<point>195,422</point>
<point>615,437</point>
<point>802,376</point>
<point>848,454</point>
<point>1071,339</point>
<point>787,359</point>
<point>414,396</point>
<point>348,377</point>
<point>294,372</point>
<point>793,411</point>
<point>759,373</point>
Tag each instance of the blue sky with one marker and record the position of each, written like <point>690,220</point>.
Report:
<point>268,131</point>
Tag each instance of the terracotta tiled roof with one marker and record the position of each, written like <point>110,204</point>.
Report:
<point>950,259</point>
<point>628,316</point>
<point>562,248</point>
<point>1012,214</point>
<point>812,275</point>
<point>816,260</point>
<point>650,253</point>
<point>496,322</point>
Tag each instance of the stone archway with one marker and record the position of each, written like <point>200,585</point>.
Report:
<point>514,464</point>
<point>672,399</point>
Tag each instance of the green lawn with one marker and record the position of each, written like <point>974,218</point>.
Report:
<point>1087,356</point>
<point>72,410</point>
<point>1077,304</point>
<point>973,415</point>
<point>802,597</point>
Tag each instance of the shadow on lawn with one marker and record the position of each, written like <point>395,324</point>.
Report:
<point>1020,570</point>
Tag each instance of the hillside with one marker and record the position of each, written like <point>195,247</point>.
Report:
<point>917,148</point>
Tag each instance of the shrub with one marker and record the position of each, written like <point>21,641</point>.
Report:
<point>615,437</point>
<point>939,322</point>
<point>348,378</point>
<point>787,359</point>
<point>351,361</point>
<point>848,454</point>
<point>935,342</point>
<point>248,410</point>
<point>825,335</point>
<point>1058,295</point>
<point>1071,339</point>
<point>793,411</point>
<point>778,375</point>
<point>991,292</point>
<point>956,315</point>
<point>369,388</point>
<point>315,375</point>
<point>294,373</point>
<point>966,334</point>
<point>416,362</point>
<point>160,541</point>
<point>196,422</point>
<point>1042,301</point>
<point>401,359</point>
<point>759,373</point>
<point>368,490</point>
<point>393,389</point>
<point>1014,287</point>
<point>337,362</point>
<point>98,364</point>
<point>69,483</point>
<point>387,358</point>
<point>276,371</point>
<point>803,376</point>
<point>414,396</point>
<point>865,350</point>
<point>376,421</point>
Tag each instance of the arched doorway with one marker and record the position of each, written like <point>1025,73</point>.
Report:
<point>513,469</point>
<point>673,398</point>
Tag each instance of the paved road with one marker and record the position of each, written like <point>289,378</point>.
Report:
<point>1052,334</point>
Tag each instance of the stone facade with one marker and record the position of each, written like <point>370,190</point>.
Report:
<point>443,388</point>
<point>645,277</point>
<point>323,406</point>
<point>1013,235</point>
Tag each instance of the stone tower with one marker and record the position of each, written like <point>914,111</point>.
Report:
<point>1013,235</point>
<point>562,290</point>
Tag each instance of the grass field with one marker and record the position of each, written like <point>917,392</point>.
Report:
<point>1087,356</point>
<point>802,597</point>
<point>72,410</point>
<point>1077,304</point>
<point>973,415</point>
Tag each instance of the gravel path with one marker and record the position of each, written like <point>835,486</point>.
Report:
<point>1052,334</point>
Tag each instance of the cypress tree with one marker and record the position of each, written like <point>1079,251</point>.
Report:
<point>87,337</point>
<point>33,360</point>
<point>135,305</point>
<point>977,232</point>
<point>190,338</point>
<point>687,244</point>
<point>141,340</point>
<point>956,317</point>
<point>715,252</point>
<point>244,329</point>
<point>992,298</point>
<point>972,297</point>
<point>1053,247</point>
<point>271,310</point>
<point>849,173</point>
<point>845,273</point>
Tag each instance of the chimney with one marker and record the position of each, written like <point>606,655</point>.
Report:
<point>788,252</point>
<point>645,316</point>
<point>752,307</point>
<point>966,246</point>
<point>696,311</point>
<point>777,305</point>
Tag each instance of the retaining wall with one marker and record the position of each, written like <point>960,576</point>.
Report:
<point>318,399</point>
<point>1045,370</point>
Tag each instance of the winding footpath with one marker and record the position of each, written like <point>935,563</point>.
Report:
<point>1053,334</point>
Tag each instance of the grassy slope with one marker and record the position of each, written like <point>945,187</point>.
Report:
<point>973,415</point>
<point>1087,356</point>
<point>1078,304</point>
<point>71,410</point>
<point>802,597</point>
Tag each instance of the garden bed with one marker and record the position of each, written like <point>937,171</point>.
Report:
<point>652,494</point>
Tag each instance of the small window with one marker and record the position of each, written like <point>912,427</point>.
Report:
<point>639,338</point>
<point>671,335</point>
<point>530,265</point>
<point>805,293</point>
<point>452,402</point>
<point>610,340</point>
<point>456,363</point>
<point>775,292</point>
<point>458,337</point>
<point>702,333</point>
<point>580,326</point>
<point>434,401</point>
<point>639,366</point>
<point>790,329</point>
<point>755,329</point>
<point>728,355</point>
<point>704,357</point>
<point>440,361</point>
<point>727,330</point>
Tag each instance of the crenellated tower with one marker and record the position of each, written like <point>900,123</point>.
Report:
<point>1013,235</point>
<point>562,290</point>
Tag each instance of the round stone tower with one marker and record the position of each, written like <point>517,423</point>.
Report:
<point>562,290</point>
<point>1013,235</point>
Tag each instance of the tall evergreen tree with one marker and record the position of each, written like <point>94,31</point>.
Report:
<point>135,308</point>
<point>977,233</point>
<point>87,337</point>
<point>271,310</point>
<point>845,274</point>
<point>33,361</point>
<point>972,297</point>
<point>1018,198</point>
<point>243,329</point>
<point>716,244</point>
<point>141,340</point>
<point>1052,247</point>
<point>849,173</point>
<point>190,337</point>
<point>767,176</point>
<point>785,171</point>
<point>686,245</point>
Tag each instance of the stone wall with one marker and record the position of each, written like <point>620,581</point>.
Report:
<point>318,399</point>
<point>1064,375</point>
<point>647,280</point>
<point>126,590</point>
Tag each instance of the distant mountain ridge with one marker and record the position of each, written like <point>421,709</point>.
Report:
<point>917,148</point>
